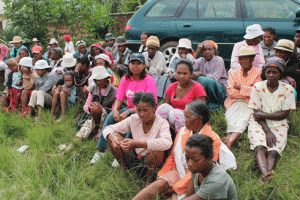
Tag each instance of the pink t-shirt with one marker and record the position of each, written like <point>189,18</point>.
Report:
<point>196,91</point>
<point>128,88</point>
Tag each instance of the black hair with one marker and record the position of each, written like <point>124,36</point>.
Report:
<point>84,60</point>
<point>58,52</point>
<point>25,50</point>
<point>271,30</point>
<point>203,142</point>
<point>107,64</point>
<point>200,110</point>
<point>129,74</point>
<point>145,33</point>
<point>144,97</point>
<point>186,62</point>
<point>70,73</point>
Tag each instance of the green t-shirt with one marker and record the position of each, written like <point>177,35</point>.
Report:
<point>217,185</point>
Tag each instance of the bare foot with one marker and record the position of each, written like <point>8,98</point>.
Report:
<point>267,178</point>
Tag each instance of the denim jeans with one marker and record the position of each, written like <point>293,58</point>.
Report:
<point>102,142</point>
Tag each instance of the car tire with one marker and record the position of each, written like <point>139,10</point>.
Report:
<point>169,49</point>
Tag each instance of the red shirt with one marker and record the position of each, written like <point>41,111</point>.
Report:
<point>195,92</point>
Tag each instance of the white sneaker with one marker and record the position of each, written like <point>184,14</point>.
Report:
<point>115,163</point>
<point>97,157</point>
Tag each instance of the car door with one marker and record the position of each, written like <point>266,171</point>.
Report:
<point>218,20</point>
<point>279,14</point>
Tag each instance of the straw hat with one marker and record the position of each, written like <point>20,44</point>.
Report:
<point>253,31</point>
<point>35,40</point>
<point>41,64</point>
<point>26,61</point>
<point>53,41</point>
<point>153,40</point>
<point>246,51</point>
<point>104,57</point>
<point>16,39</point>
<point>285,45</point>
<point>68,60</point>
<point>185,43</point>
<point>99,73</point>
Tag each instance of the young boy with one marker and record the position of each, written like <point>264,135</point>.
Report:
<point>14,84</point>
<point>210,181</point>
<point>28,82</point>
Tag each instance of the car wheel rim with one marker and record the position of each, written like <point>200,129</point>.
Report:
<point>168,53</point>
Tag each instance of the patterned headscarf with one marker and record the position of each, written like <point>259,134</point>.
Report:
<point>211,43</point>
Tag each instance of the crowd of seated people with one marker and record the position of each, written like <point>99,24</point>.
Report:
<point>167,132</point>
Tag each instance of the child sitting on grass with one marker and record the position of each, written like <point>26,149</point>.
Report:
<point>209,180</point>
<point>65,93</point>
<point>40,97</point>
<point>14,84</point>
<point>104,60</point>
<point>272,101</point>
<point>28,82</point>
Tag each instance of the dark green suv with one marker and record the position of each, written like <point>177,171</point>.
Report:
<point>223,21</point>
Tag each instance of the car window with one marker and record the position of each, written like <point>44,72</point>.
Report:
<point>190,11</point>
<point>275,9</point>
<point>164,8</point>
<point>217,9</point>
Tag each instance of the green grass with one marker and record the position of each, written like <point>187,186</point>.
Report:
<point>33,175</point>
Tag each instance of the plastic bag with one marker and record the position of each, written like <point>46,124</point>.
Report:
<point>226,158</point>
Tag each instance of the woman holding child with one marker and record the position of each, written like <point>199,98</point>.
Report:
<point>136,80</point>
<point>240,84</point>
<point>271,102</point>
<point>179,94</point>
<point>174,177</point>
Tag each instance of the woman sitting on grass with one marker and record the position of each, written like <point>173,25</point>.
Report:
<point>81,49</point>
<point>210,72</point>
<point>210,181</point>
<point>180,94</point>
<point>174,177</point>
<point>104,60</point>
<point>66,94</point>
<point>271,101</point>
<point>151,136</point>
<point>40,97</point>
<point>136,80</point>
<point>240,84</point>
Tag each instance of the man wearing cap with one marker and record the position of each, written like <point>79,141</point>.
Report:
<point>45,80</point>
<point>81,49</point>
<point>121,56</point>
<point>155,60</point>
<point>253,38</point>
<point>110,43</point>
<point>285,50</point>
<point>18,45</point>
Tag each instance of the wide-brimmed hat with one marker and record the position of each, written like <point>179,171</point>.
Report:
<point>37,49</point>
<point>253,31</point>
<point>79,43</point>
<point>100,73</point>
<point>121,41</point>
<point>153,40</point>
<point>246,51</point>
<point>109,36</point>
<point>275,62</point>
<point>185,43</point>
<point>16,39</point>
<point>53,41</point>
<point>104,57</point>
<point>41,64</point>
<point>26,61</point>
<point>285,45</point>
<point>35,40</point>
<point>137,56</point>
<point>68,60</point>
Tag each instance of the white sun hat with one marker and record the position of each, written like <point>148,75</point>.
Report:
<point>99,73</point>
<point>68,60</point>
<point>53,41</point>
<point>185,43</point>
<point>26,61</point>
<point>104,57</point>
<point>41,64</point>
<point>253,31</point>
